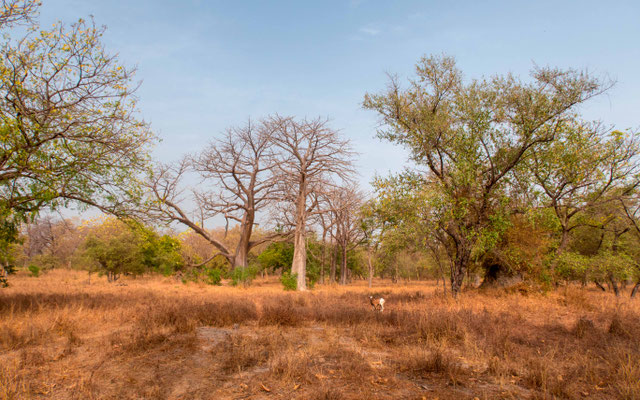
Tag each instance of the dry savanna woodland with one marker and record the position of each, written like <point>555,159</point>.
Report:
<point>507,252</point>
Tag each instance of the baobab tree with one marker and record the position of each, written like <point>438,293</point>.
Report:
<point>237,171</point>
<point>313,158</point>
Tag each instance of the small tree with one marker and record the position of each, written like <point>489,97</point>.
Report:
<point>115,255</point>
<point>345,206</point>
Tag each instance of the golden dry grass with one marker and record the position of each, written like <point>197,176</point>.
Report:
<point>62,338</point>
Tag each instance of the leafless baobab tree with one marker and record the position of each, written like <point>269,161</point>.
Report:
<point>313,158</point>
<point>237,172</point>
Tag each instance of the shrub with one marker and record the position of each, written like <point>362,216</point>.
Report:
<point>34,269</point>
<point>244,275</point>
<point>214,276</point>
<point>289,281</point>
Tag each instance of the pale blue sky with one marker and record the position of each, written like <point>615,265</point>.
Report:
<point>208,65</point>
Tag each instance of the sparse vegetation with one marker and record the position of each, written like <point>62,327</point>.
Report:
<point>289,281</point>
<point>101,340</point>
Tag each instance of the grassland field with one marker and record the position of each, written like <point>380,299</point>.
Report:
<point>62,337</point>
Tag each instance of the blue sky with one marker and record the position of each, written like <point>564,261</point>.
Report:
<point>208,65</point>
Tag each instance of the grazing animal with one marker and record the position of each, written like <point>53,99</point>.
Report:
<point>377,304</point>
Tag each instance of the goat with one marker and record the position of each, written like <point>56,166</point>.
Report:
<point>377,303</point>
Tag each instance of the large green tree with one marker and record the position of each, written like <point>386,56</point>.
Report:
<point>466,138</point>
<point>69,126</point>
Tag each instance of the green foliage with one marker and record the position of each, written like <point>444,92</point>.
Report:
<point>34,270</point>
<point>470,138</point>
<point>314,263</point>
<point>278,255</point>
<point>214,276</point>
<point>160,253</point>
<point>244,275</point>
<point>607,265</point>
<point>8,237</point>
<point>571,266</point>
<point>117,254</point>
<point>69,130</point>
<point>289,281</point>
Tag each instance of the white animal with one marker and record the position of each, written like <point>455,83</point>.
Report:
<point>377,304</point>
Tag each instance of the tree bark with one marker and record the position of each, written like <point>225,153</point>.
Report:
<point>614,285</point>
<point>299,257</point>
<point>343,269</point>
<point>324,256</point>
<point>635,289</point>
<point>241,258</point>
<point>599,285</point>
<point>370,268</point>
<point>334,260</point>
<point>460,265</point>
<point>299,265</point>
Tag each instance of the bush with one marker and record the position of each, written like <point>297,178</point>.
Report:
<point>244,275</point>
<point>34,269</point>
<point>214,276</point>
<point>289,281</point>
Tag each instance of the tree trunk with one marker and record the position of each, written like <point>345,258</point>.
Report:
<point>334,261</point>
<point>299,265</point>
<point>635,289</point>
<point>3,276</point>
<point>241,257</point>
<point>564,241</point>
<point>614,285</point>
<point>324,256</point>
<point>343,269</point>
<point>299,258</point>
<point>370,268</point>
<point>460,265</point>
<point>394,279</point>
<point>598,284</point>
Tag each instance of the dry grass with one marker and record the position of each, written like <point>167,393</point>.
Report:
<point>62,338</point>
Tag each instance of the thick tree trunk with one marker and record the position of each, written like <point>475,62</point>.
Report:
<point>299,265</point>
<point>300,257</point>
<point>460,265</point>
<point>564,240</point>
<point>241,258</point>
